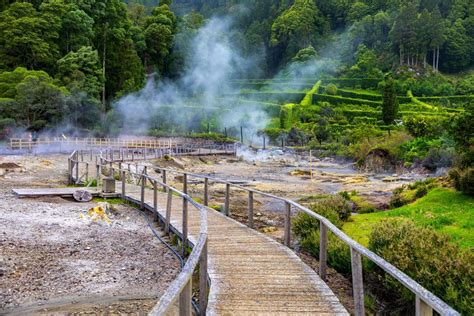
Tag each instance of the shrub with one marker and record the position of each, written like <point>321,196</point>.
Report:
<point>331,89</point>
<point>409,193</point>
<point>428,257</point>
<point>463,180</point>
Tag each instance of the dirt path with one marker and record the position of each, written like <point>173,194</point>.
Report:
<point>49,253</point>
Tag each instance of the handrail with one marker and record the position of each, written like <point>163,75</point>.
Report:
<point>181,287</point>
<point>425,300</point>
<point>421,293</point>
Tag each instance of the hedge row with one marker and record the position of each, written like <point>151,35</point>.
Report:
<point>359,95</point>
<point>447,101</point>
<point>335,99</point>
<point>308,99</point>
<point>280,97</point>
<point>364,83</point>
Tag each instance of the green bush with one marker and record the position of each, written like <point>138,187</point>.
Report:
<point>331,89</point>
<point>409,193</point>
<point>307,229</point>
<point>428,257</point>
<point>463,180</point>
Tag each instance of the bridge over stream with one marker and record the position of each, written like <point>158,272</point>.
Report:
<point>232,269</point>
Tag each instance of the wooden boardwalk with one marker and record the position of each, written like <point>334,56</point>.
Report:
<point>250,273</point>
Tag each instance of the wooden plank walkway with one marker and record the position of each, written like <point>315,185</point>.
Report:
<point>63,192</point>
<point>250,273</point>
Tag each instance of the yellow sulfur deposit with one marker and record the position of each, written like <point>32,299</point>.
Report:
<point>97,213</point>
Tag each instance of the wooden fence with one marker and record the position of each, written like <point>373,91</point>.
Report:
<point>425,301</point>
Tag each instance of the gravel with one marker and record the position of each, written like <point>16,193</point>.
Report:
<point>48,251</point>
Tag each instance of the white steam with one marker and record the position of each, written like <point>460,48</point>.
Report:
<point>195,101</point>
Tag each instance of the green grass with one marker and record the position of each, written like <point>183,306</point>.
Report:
<point>445,210</point>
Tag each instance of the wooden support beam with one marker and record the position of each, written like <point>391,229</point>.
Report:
<point>357,283</point>
<point>323,246</point>
<point>287,234</point>
<point>250,209</point>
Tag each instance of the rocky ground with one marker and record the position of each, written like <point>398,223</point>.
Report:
<point>53,255</point>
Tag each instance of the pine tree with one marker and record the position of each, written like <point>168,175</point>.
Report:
<point>390,102</point>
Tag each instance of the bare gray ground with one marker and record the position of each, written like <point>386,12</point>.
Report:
<point>50,255</point>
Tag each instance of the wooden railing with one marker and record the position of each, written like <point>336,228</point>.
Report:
<point>181,288</point>
<point>425,301</point>
<point>80,142</point>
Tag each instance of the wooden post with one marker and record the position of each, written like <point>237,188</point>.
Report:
<point>185,215</point>
<point>323,245</point>
<point>124,181</point>
<point>97,173</point>
<point>287,234</point>
<point>155,201</point>
<point>357,283</point>
<point>203,280</point>
<point>185,183</point>
<point>133,155</point>
<point>206,191</point>
<point>142,200</point>
<point>69,170</point>
<point>185,300</point>
<point>185,227</point>
<point>163,175</point>
<point>77,170</point>
<point>227,199</point>
<point>87,171</point>
<point>422,309</point>
<point>250,209</point>
<point>168,211</point>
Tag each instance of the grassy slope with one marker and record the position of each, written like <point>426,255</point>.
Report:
<point>445,210</point>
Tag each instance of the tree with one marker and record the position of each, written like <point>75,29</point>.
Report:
<point>26,38</point>
<point>390,102</point>
<point>298,26</point>
<point>159,32</point>
<point>81,71</point>
<point>321,131</point>
<point>456,50</point>
<point>40,102</point>
<point>305,55</point>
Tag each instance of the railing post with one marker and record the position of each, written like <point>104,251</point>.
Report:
<point>168,211</point>
<point>142,196</point>
<point>227,199</point>
<point>124,181</point>
<point>203,280</point>
<point>185,299</point>
<point>422,309</point>
<point>250,209</point>
<point>287,233</point>
<point>163,176</point>
<point>97,174</point>
<point>357,283</point>
<point>87,171</point>
<point>323,244</point>
<point>77,170</point>
<point>206,191</point>
<point>155,201</point>
<point>185,214</point>
<point>69,170</point>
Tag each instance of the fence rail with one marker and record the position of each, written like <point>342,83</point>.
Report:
<point>80,142</point>
<point>181,288</point>
<point>425,301</point>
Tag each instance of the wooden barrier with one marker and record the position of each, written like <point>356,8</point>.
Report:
<point>425,303</point>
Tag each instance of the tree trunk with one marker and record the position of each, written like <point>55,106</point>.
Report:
<point>104,52</point>
<point>434,59</point>
<point>424,61</point>
<point>437,60</point>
